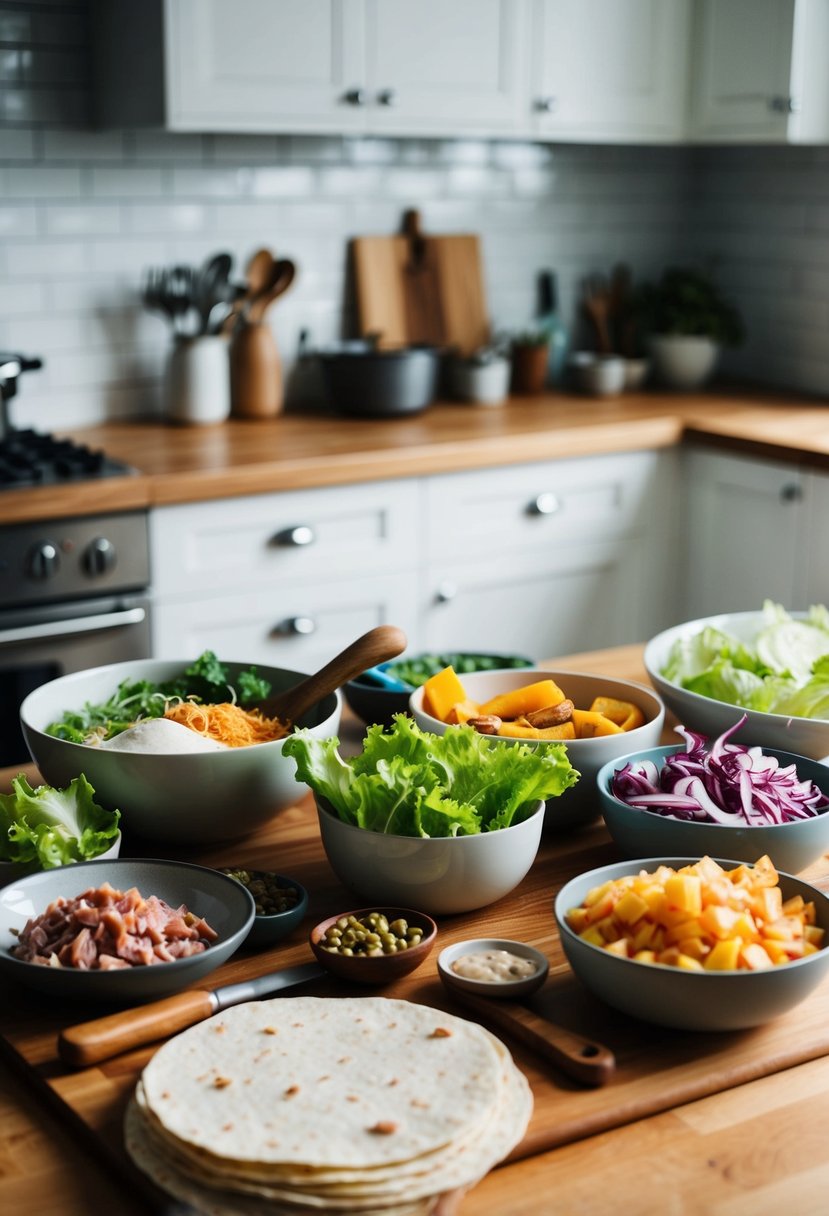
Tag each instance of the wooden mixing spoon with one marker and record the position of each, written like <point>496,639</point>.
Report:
<point>377,646</point>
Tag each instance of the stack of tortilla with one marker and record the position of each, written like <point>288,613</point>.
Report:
<point>309,1104</point>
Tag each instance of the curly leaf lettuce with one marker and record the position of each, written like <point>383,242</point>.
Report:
<point>407,782</point>
<point>47,827</point>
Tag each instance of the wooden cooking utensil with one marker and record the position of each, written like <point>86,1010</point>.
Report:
<point>256,382</point>
<point>582,1059</point>
<point>282,276</point>
<point>379,644</point>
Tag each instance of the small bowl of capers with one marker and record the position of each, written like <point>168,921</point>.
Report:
<point>280,902</point>
<point>373,945</point>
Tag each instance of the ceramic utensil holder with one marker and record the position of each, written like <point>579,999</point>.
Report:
<point>197,380</point>
<point>257,388</point>
<point>529,368</point>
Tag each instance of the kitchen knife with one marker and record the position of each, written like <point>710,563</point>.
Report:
<point>91,1042</point>
<point>580,1058</point>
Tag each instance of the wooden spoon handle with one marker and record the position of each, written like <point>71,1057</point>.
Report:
<point>580,1058</point>
<point>90,1042</point>
<point>376,646</point>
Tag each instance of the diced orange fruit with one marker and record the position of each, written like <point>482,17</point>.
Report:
<point>589,725</point>
<point>624,713</point>
<point>515,730</point>
<point>441,692</point>
<point>462,711</point>
<point>543,694</point>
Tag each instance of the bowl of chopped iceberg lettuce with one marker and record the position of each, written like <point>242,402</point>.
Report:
<point>771,666</point>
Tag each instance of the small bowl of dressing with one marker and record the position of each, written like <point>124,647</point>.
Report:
<point>492,967</point>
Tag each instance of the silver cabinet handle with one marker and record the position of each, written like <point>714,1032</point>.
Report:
<point>546,105</point>
<point>387,97</point>
<point>544,504</point>
<point>295,537</point>
<point>356,97</point>
<point>791,492</point>
<point>295,626</point>
<point>446,592</point>
<point>59,629</point>
<point>784,105</point>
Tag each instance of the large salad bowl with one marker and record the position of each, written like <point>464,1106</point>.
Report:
<point>191,798</point>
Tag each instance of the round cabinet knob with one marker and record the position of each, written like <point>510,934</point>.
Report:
<point>296,537</point>
<point>546,105</point>
<point>99,556</point>
<point>356,97</point>
<point>544,504</point>
<point>43,561</point>
<point>446,592</point>
<point>791,493</point>
<point>784,105</point>
<point>295,626</point>
<point>386,97</point>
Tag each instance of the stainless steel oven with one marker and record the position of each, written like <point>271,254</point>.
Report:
<point>72,596</point>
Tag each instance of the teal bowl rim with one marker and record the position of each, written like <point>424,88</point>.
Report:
<point>632,866</point>
<point>652,753</point>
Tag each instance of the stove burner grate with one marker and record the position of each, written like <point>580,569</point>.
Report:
<point>29,458</point>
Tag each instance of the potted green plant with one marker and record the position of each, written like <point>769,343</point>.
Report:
<point>687,321</point>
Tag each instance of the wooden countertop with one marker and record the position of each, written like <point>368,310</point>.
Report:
<point>748,1150</point>
<point>302,450</point>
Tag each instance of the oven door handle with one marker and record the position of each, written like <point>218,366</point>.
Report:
<point>59,629</point>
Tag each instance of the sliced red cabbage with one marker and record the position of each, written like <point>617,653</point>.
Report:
<point>723,782</point>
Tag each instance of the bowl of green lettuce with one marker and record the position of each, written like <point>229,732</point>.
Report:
<point>42,828</point>
<point>443,823</point>
<point>772,665</point>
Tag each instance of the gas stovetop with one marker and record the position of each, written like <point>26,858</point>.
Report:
<point>28,458</point>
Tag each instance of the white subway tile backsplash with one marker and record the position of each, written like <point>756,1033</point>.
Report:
<point>84,212</point>
<point>127,182</point>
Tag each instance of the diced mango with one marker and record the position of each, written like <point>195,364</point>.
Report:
<point>686,963</point>
<point>624,713</point>
<point>630,908</point>
<point>619,947</point>
<point>441,692</point>
<point>526,700</point>
<point>462,711</point>
<point>515,730</point>
<point>684,891</point>
<point>755,957</point>
<point>591,725</point>
<point>724,956</point>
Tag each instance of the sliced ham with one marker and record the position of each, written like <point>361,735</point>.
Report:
<point>106,930</point>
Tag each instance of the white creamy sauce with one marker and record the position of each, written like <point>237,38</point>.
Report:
<point>494,966</point>
<point>161,736</point>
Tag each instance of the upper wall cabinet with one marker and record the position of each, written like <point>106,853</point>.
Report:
<point>337,66</point>
<point>610,70</point>
<point>760,71</point>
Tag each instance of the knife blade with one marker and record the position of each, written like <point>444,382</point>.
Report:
<point>92,1042</point>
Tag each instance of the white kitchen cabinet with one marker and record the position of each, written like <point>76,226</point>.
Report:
<point>537,558</point>
<point>286,579</point>
<point>815,559</point>
<point>745,533</point>
<point>610,70</point>
<point>760,71</point>
<point>341,66</point>
<point>552,557</point>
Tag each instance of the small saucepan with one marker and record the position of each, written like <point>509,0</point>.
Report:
<point>364,380</point>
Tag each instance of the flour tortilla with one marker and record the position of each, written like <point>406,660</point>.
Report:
<point>276,1101</point>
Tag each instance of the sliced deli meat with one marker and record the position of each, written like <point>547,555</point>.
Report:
<point>105,929</point>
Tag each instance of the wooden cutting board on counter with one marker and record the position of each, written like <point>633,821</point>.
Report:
<point>656,1069</point>
<point>415,288</point>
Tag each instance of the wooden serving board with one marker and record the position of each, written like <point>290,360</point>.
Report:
<point>414,289</point>
<point>656,1069</point>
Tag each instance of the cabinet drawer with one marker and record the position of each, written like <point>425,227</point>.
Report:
<point>300,627</point>
<point>531,507</point>
<point>265,540</point>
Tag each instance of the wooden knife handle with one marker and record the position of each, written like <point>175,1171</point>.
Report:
<point>580,1058</point>
<point>91,1042</point>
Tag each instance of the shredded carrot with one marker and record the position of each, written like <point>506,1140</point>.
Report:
<point>227,723</point>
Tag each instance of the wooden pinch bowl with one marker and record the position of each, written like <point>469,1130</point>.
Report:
<point>382,968</point>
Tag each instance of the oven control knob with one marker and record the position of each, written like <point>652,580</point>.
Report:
<point>99,556</point>
<point>43,561</point>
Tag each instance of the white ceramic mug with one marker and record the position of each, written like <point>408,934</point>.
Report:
<point>197,380</point>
